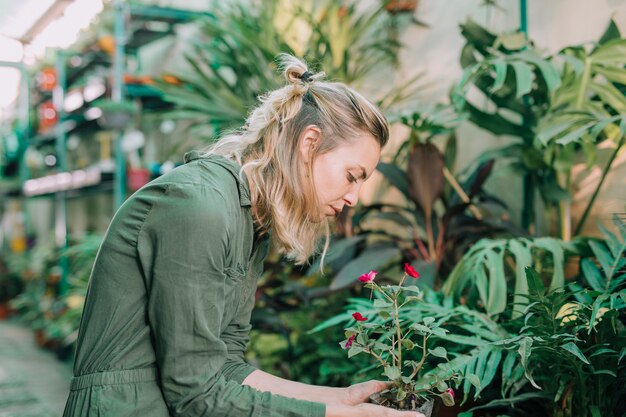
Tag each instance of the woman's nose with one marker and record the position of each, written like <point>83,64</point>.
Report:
<point>352,197</point>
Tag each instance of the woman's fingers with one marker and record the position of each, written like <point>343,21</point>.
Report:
<point>374,410</point>
<point>359,393</point>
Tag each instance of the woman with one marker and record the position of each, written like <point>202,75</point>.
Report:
<point>167,313</point>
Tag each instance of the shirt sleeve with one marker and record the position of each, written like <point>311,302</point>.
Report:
<point>182,248</point>
<point>236,337</point>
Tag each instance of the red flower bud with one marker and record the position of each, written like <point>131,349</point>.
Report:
<point>410,271</point>
<point>349,342</point>
<point>369,277</point>
<point>359,317</point>
<point>451,392</point>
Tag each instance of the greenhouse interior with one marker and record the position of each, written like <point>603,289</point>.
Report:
<point>480,270</point>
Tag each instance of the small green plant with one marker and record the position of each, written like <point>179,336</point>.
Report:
<point>399,351</point>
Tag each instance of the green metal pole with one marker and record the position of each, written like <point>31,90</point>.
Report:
<point>24,125</point>
<point>118,96</point>
<point>58,99</point>
<point>523,16</point>
<point>528,184</point>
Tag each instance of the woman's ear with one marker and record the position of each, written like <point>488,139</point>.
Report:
<point>309,139</point>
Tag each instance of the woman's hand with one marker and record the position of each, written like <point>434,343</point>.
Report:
<point>367,410</point>
<point>354,403</point>
<point>359,393</point>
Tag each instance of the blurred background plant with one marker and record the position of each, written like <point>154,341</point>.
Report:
<point>233,61</point>
<point>557,108</point>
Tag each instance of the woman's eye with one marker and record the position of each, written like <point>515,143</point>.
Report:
<point>351,177</point>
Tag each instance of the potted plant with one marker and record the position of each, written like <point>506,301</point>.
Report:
<point>399,351</point>
<point>115,114</point>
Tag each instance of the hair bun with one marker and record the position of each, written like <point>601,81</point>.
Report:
<point>294,74</point>
<point>296,71</point>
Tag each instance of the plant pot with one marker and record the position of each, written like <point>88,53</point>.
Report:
<point>137,178</point>
<point>40,337</point>
<point>425,408</point>
<point>5,310</point>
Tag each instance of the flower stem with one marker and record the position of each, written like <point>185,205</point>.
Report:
<point>421,362</point>
<point>397,319</point>
<point>380,359</point>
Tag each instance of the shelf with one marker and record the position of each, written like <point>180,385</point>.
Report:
<point>39,187</point>
<point>10,187</point>
<point>89,60</point>
<point>73,124</point>
<point>163,14</point>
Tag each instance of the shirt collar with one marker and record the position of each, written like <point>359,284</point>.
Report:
<point>231,166</point>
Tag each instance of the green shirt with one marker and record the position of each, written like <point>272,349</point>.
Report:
<point>167,313</point>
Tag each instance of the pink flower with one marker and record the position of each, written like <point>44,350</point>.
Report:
<point>451,392</point>
<point>358,317</point>
<point>410,271</point>
<point>349,342</point>
<point>369,277</point>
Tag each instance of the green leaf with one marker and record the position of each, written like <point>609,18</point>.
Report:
<point>554,247</point>
<point>412,288</point>
<point>497,297</point>
<point>593,275</point>
<point>615,75</point>
<point>375,257</point>
<point>447,399</point>
<point>604,257</point>
<point>535,284</point>
<point>491,367</point>
<point>392,372</point>
<point>400,395</point>
<point>354,350</point>
<point>611,53</point>
<point>507,366</point>
<point>474,380</point>
<point>439,352</point>
<point>500,67</point>
<point>420,328</point>
<point>573,349</point>
<point>523,78</point>
<point>428,320</point>
<point>525,349</point>
<point>333,321</point>
<point>464,340</point>
<point>408,344</point>
<point>438,331</point>
<point>611,32</point>
<point>381,346</point>
<point>605,372</point>
<point>522,261</point>
<point>380,303</point>
<point>339,252</point>
<point>595,411</point>
<point>611,96</point>
<point>395,176</point>
<point>575,135</point>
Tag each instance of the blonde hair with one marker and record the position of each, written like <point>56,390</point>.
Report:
<point>282,193</point>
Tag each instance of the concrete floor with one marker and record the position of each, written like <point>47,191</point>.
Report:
<point>33,382</point>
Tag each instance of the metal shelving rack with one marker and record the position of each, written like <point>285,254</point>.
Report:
<point>125,15</point>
